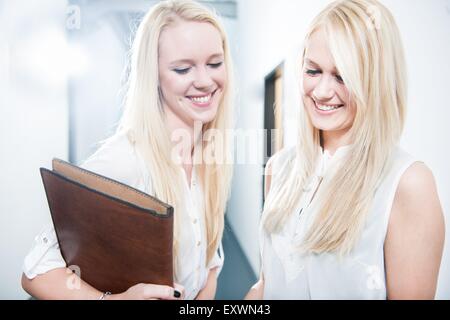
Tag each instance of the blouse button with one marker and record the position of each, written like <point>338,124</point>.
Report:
<point>198,243</point>
<point>194,221</point>
<point>45,239</point>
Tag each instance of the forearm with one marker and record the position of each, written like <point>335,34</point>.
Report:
<point>59,284</point>
<point>256,292</point>
<point>209,291</point>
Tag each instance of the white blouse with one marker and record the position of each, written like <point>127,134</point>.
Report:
<point>289,274</point>
<point>119,160</point>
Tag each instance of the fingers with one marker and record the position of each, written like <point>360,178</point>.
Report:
<point>152,291</point>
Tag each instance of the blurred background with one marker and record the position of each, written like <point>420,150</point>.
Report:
<point>63,66</point>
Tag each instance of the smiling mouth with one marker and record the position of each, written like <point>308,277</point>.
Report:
<point>202,100</point>
<point>327,107</point>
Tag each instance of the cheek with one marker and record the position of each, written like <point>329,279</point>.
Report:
<point>344,95</point>
<point>220,77</point>
<point>173,85</point>
<point>351,107</point>
<point>308,85</point>
<point>164,83</point>
<point>352,110</point>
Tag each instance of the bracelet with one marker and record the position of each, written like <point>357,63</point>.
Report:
<point>102,297</point>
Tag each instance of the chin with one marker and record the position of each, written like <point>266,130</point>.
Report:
<point>325,126</point>
<point>207,116</point>
<point>206,120</point>
<point>320,123</point>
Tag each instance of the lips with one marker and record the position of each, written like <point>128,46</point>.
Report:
<point>202,100</point>
<point>327,108</point>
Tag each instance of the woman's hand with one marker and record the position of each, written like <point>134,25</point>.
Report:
<point>150,292</point>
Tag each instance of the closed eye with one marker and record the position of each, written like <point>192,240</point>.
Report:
<point>313,72</point>
<point>215,65</point>
<point>182,70</point>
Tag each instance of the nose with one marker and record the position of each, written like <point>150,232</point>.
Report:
<point>203,79</point>
<point>324,89</point>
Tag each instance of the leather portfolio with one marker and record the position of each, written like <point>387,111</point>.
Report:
<point>115,235</point>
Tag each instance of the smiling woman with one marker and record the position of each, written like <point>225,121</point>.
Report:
<point>349,214</point>
<point>181,76</point>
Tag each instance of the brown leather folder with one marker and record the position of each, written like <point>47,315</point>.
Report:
<point>115,235</point>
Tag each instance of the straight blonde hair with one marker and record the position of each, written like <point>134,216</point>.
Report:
<point>366,46</point>
<point>143,121</point>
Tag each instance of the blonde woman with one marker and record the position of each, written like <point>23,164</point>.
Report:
<point>181,77</point>
<point>349,214</point>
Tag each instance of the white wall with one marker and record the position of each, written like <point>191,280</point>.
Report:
<point>97,93</point>
<point>33,125</point>
<point>272,31</point>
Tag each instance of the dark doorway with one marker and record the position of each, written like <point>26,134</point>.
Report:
<point>273,114</point>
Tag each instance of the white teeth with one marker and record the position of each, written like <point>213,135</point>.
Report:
<point>323,107</point>
<point>204,99</point>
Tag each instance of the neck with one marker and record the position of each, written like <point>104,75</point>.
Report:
<point>333,140</point>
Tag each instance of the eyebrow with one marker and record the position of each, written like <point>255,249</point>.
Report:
<point>316,65</point>
<point>189,61</point>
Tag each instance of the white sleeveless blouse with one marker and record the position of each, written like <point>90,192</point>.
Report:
<point>359,275</point>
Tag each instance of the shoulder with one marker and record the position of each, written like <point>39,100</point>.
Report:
<point>116,158</point>
<point>416,184</point>
<point>413,180</point>
<point>416,202</point>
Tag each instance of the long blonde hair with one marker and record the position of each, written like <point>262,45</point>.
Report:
<point>143,121</point>
<point>365,43</point>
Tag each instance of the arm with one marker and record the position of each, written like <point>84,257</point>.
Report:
<point>415,237</point>
<point>59,283</point>
<point>257,291</point>
<point>62,284</point>
<point>209,291</point>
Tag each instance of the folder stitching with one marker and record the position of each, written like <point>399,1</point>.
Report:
<point>121,185</point>
<point>154,212</point>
